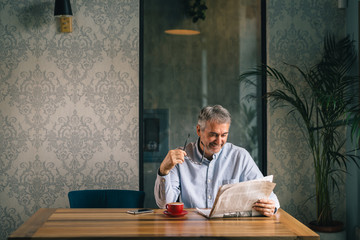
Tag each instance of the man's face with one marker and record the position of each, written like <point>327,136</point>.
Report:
<point>214,136</point>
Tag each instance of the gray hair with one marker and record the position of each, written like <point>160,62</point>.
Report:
<point>215,113</point>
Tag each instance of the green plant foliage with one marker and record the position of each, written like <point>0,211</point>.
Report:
<point>196,9</point>
<point>326,104</point>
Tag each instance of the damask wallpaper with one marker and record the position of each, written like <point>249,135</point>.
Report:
<point>68,103</point>
<point>295,33</point>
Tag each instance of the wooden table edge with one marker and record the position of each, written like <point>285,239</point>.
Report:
<point>26,230</point>
<point>30,227</point>
<point>299,225</point>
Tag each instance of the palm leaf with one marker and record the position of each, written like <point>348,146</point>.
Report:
<point>326,104</point>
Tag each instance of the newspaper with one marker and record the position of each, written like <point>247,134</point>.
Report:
<point>237,199</point>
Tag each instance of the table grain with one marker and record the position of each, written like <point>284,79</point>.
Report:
<point>71,223</point>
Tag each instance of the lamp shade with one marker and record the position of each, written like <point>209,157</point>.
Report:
<point>62,8</point>
<point>184,26</point>
<point>177,20</point>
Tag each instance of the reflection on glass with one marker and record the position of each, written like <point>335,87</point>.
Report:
<point>182,74</point>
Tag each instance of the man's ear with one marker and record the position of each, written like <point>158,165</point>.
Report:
<point>198,130</point>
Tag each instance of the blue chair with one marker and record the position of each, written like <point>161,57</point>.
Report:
<point>106,198</point>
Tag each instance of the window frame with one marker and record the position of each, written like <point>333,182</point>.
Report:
<point>263,164</point>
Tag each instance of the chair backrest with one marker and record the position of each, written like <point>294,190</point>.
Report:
<point>106,198</point>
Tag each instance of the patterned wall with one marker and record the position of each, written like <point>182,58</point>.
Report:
<point>68,103</point>
<point>295,33</point>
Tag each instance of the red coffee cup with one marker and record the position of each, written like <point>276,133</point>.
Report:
<point>175,207</point>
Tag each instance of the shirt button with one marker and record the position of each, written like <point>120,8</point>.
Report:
<point>209,180</point>
<point>209,197</point>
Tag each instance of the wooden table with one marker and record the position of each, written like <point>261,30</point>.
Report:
<point>72,223</point>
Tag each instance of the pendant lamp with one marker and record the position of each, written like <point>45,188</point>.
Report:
<point>63,11</point>
<point>178,21</point>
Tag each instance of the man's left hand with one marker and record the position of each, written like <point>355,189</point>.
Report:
<point>265,207</point>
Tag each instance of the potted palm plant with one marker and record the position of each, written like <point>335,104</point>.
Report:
<point>326,105</point>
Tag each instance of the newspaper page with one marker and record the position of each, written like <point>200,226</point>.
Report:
<point>237,199</point>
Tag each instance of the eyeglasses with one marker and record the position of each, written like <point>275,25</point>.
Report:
<point>188,157</point>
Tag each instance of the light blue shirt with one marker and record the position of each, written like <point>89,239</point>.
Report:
<point>197,185</point>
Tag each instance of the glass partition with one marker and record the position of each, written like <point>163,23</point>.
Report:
<point>183,73</point>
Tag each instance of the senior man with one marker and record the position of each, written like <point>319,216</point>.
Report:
<point>195,173</point>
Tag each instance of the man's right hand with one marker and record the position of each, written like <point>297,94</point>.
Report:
<point>173,157</point>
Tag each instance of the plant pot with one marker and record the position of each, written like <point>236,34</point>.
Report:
<point>332,236</point>
<point>335,226</point>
